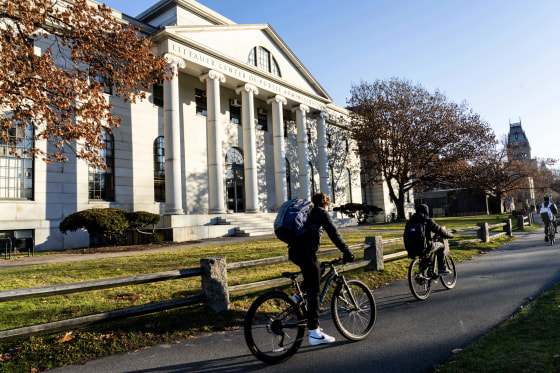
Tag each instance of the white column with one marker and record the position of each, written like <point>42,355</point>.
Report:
<point>214,142</point>
<point>172,138</point>
<point>322,153</point>
<point>249,146</point>
<point>279,149</point>
<point>303,159</point>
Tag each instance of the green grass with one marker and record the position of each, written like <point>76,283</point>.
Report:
<point>528,342</point>
<point>45,352</point>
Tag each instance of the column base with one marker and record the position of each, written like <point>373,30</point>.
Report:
<point>216,211</point>
<point>251,211</point>
<point>174,212</point>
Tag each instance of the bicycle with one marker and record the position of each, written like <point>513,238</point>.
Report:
<point>422,272</point>
<point>275,323</point>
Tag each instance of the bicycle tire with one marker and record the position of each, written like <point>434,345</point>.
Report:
<point>418,280</point>
<point>274,327</point>
<point>449,281</point>
<point>354,321</point>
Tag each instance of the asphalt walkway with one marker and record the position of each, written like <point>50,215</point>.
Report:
<point>409,336</point>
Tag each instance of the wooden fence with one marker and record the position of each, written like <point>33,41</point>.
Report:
<point>215,289</point>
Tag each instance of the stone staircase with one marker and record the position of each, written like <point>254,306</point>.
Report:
<point>249,225</point>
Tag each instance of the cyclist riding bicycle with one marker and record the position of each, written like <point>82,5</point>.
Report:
<point>422,215</point>
<point>303,253</point>
<point>548,214</point>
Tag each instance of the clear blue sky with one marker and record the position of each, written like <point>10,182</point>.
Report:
<point>501,57</point>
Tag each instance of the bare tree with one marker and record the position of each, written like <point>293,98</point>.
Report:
<point>56,59</point>
<point>409,137</point>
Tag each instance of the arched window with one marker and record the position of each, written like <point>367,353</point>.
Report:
<point>159,169</point>
<point>288,179</point>
<point>263,59</point>
<point>101,183</point>
<point>347,185</point>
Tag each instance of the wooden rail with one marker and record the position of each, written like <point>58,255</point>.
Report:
<point>207,274</point>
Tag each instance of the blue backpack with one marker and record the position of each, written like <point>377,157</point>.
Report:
<point>291,218</point>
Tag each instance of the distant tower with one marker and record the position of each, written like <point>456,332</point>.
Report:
<point>517,142</point>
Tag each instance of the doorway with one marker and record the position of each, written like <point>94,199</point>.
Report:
<point>235,180</point>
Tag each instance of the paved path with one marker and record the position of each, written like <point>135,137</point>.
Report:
<point>409,336</point>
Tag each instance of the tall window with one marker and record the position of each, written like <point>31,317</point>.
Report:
<point>331,182</point>
<point>101,183</point>
<point>262,123</point>
<point>105,82</point>
<point>347,185</point>
<point>312,178</point>
<point>288,179</point>
<point>158,94</point>
<point>16,167</point>
<point>201,103</point>
<point>159,169</point>
<point>235,114</point>
<point>263,59</point>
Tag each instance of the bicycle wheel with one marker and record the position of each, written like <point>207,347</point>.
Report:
<point>418,280</point>
<point>450,280</point>
<point>274,327</point>
<point>353,310</point>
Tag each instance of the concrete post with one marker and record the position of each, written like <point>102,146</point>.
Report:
<point>214,283</point>
<point>374,253</point>
<point>483,234</point>
<point>520,222</point>
<point>508,227</point>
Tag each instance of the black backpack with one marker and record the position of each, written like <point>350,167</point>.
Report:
<point>415,241</point>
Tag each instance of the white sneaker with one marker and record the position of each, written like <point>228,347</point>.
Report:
<point>317,337</point>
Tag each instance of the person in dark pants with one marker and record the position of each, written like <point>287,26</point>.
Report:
<point>422,215</point>
<point>303,254</point>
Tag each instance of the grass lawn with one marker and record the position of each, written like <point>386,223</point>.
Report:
<point>75,346</point>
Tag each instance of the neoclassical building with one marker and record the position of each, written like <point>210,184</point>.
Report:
<point>242,127</point>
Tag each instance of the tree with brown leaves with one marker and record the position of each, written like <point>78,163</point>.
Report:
<point>408,137</point>
<point>56,60</point>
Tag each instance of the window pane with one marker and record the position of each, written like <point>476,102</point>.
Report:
<point>264,59</point>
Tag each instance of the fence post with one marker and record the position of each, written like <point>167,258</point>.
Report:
<point>483,233</point>
<point>374,253</point>
<point>520,223</point>
<point>214,282</point>
<point>508,227</point>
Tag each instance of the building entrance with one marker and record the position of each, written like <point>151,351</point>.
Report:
<point>235,181</point>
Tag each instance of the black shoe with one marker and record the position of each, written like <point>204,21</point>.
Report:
<point>545,238</point>
<point>443,272</point>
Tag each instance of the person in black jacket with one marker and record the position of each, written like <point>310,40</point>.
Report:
<point>422,215</point>
<point>303,253</point>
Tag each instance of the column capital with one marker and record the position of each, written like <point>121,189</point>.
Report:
<point>321,114</point>
<point>247,88</point>
<point>301,107</point>
<point>174,60</point>
<point>279,99</point>
<point>213,74</point>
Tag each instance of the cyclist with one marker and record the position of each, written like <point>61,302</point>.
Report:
<point>303,254</point>
<point>422,215</point>
<point>548,213</point>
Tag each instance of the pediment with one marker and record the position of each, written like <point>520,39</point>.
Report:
<point>234,43</point>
